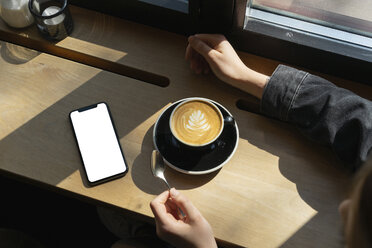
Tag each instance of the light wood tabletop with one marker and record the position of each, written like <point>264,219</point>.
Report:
<point>279,189</point>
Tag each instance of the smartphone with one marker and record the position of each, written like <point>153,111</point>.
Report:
<point>98,143</point>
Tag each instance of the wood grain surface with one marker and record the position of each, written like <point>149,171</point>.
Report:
<point>278,190</point>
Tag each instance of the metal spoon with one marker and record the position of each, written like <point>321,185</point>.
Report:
<point>157,166</point>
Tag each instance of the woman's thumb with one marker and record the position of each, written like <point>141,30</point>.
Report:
<point>184,203</point>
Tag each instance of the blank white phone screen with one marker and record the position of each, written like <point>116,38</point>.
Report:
<point>98,145</point>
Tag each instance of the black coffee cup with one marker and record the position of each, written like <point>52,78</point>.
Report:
<point>214,112</point>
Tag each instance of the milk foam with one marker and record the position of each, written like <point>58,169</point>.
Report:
<point>197,123</point>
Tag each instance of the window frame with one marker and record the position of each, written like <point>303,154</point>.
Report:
<point>300,48</point>
<point>142,12</point>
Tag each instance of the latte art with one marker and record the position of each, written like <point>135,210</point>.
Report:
<point>196,122</point>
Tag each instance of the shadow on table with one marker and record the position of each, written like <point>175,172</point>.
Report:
<point>143,178</point>
<point>44,148</point>
<point>15,54</point>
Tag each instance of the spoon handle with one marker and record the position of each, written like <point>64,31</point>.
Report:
<point>165,181</point>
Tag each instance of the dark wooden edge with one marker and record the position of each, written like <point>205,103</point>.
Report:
<point>86,59</point>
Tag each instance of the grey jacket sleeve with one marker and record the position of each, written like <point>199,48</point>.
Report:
<point>322,111</point>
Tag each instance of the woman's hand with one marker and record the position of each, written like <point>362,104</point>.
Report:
<point>188,230</point>
<point>213,51</point>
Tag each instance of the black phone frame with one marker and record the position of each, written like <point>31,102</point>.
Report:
<point>119,175</point>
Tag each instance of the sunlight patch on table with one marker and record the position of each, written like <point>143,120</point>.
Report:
<point>28,89</point>
<point>268,208</point>
<point>91,49</point>
<point>138,133</point>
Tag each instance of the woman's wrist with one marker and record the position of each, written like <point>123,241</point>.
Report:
<point>212,244</point>
<point>251,82</point>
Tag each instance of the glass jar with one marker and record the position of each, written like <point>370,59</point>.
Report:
<point>16,13</point>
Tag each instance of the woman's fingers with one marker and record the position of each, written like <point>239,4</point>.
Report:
<point>159,208</point>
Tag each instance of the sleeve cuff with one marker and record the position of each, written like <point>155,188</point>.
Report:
<point>281,91</point>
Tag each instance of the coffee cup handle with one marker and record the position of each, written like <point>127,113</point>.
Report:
<point>229,120</point>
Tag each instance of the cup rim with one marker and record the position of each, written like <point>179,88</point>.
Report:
<point>201,99</point>
<point>30,7</point>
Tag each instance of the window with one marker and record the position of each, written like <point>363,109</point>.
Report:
<point>172,15</point>
<point>329,36</point>
<point>349,21</point>
<point>179,5</point>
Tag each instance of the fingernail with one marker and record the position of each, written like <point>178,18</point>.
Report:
<point>174,193</point>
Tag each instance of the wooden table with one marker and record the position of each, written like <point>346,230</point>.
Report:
<point>278,189</point>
